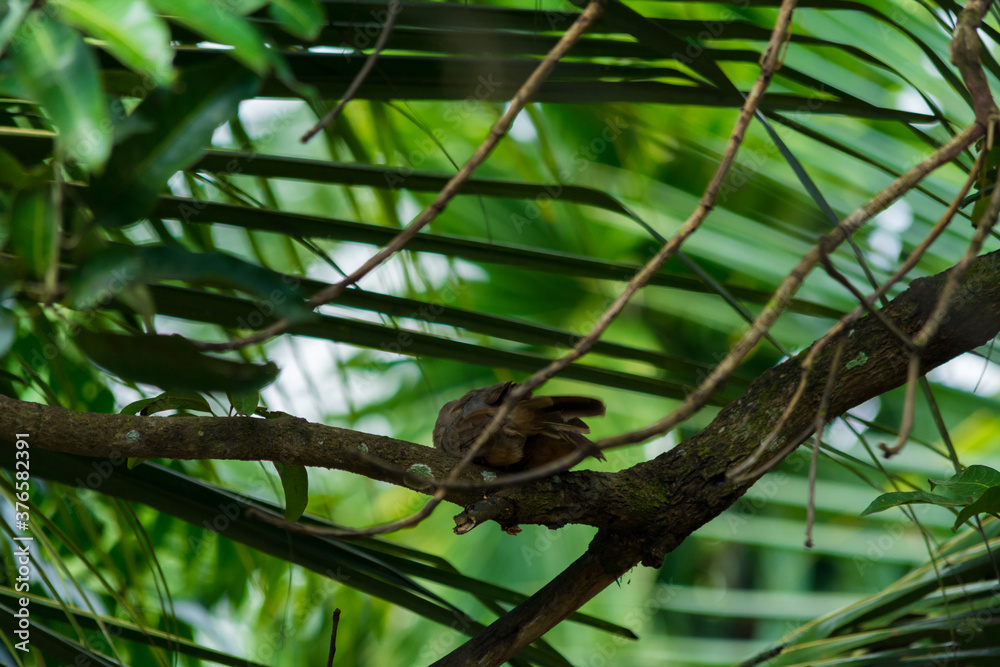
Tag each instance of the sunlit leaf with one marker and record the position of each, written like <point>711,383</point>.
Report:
<point>54,65</point>
<point>129,30</point>
<point>898,498</point>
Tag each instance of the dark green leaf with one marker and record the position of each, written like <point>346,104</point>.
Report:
<point>15,175</point>
<point>897,498</point>
<point>295,482</point>
<point>107,273</point>
<point>34,234</point>
<point>470,249</point>
<point>171,362</point>
<point>167,133</point>
<point>8,330</point>
<point>245,403</point>
<point>168,400</point>
<point>989,502</point>
<point>972,481</point>
<point>228,312</point>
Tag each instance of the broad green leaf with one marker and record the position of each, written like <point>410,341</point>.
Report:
<point>129,30</point>
<point>16,175</point>
<point>34,234</point>
<point>171,362</point>
<point>972,481</point>
<point>302,18</point>
<point>166,133</point>
<point>56,68</point>
<point>245,403</point>
<point>988,502</point>
<point>12,172</point>
<point>108,273</point>
<point>220,26</point>
<point>168,400</point>
<point>897,498</point>
<point>295,482</point>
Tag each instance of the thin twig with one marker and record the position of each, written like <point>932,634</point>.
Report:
<point>866,305</point>
<point>333,637</point>
<point>909,408</point>
<point>955,276</point>
<point>394,9</point>
<point>818,426</point>
<point>936,318</point>
<point>790,285</point>
<point>852,317</point>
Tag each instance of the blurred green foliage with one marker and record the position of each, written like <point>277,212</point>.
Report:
<point>139,137</point>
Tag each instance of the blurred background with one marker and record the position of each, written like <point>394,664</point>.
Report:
<point>611,156</point>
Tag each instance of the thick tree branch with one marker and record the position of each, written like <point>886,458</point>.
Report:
<point>283,440</point>
<point>664,500</point>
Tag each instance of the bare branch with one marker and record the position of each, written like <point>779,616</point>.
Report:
<point>394,9</point>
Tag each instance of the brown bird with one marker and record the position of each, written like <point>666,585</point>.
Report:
<point>537,430</point>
